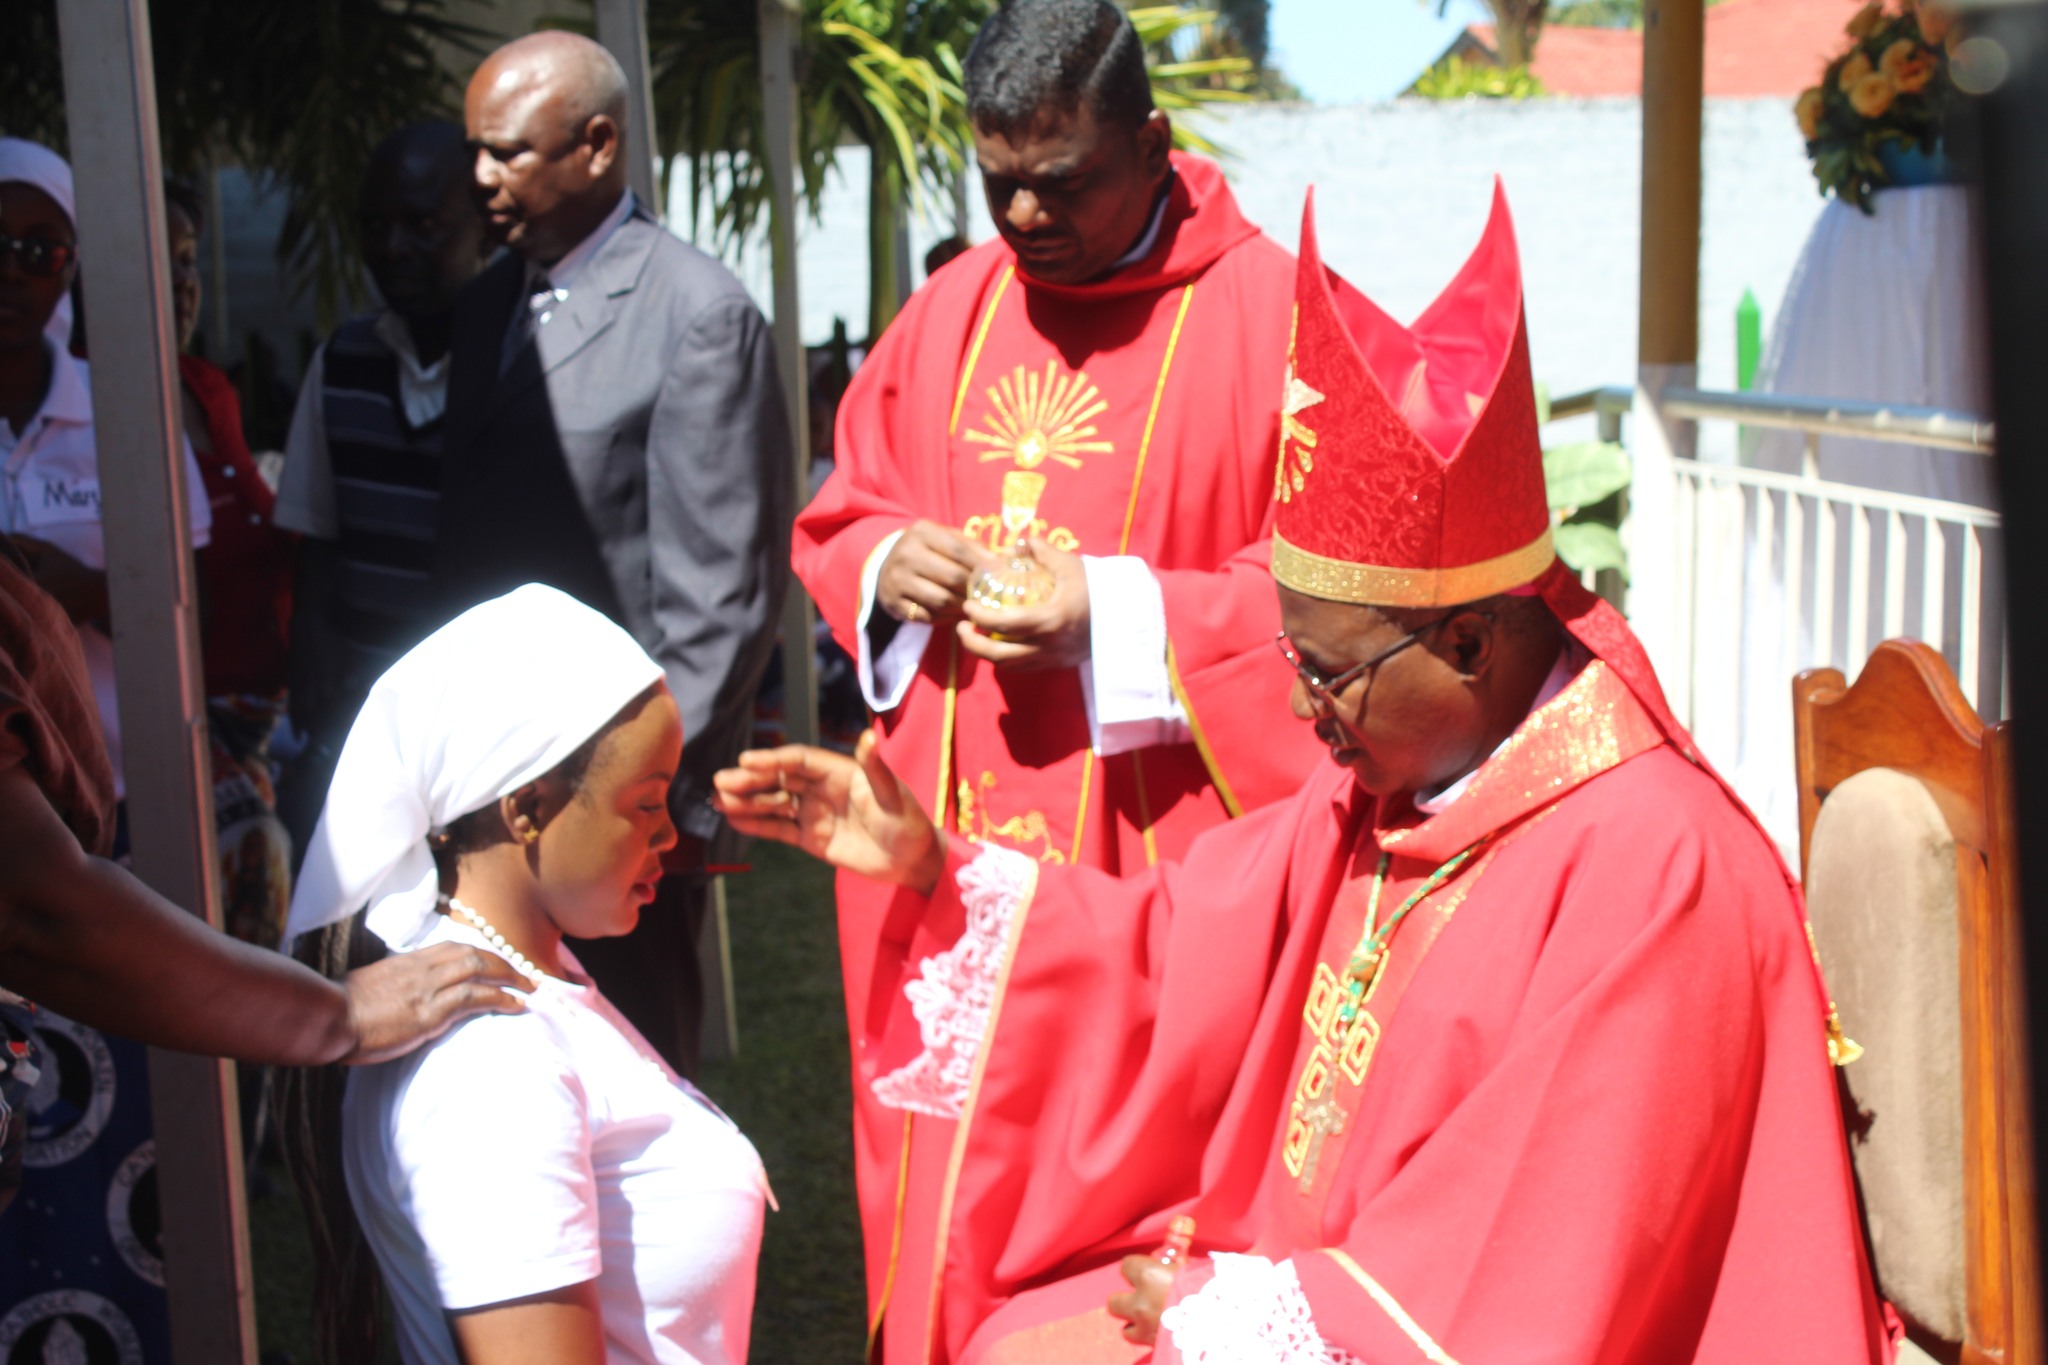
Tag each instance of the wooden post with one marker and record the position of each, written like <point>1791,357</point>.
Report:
<point>1674,60</point>
<point>111,108</point>
<point>779,35</point>
<point>1674,52</point>
<point>622,28</point>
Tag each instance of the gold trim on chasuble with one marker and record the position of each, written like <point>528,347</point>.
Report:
<point>1033,418</point>
<point>1344,1049</point>
<point>1388,1304</point>
<point>1593,725</point>
<point>895,1241</point>
<point>960,1134</point>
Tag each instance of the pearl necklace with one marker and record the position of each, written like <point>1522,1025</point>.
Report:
<point>520,962</point>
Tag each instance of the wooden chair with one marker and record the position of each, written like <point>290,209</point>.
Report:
<point>1905,841</point>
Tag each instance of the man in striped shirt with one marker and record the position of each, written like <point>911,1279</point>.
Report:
<point>362,473</point>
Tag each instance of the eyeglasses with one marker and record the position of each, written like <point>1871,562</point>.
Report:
<point>38,256</point>
<point>1325,690</point>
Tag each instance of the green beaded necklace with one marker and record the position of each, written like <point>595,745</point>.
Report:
<point>1370,956</point>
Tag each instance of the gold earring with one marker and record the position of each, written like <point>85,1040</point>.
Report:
<point>531,834</point>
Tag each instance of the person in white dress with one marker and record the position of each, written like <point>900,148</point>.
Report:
<point>543,1188</point>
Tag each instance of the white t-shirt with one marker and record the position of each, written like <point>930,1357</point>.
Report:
<point>524,1153</point>
<point>50,489</point>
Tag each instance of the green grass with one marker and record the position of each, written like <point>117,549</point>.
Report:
<point>788,1088</point>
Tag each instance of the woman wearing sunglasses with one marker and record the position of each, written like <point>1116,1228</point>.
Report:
<point>49,466</point>
<point>88,1155</point>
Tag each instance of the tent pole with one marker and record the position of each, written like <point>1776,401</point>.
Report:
<point>111,108</point>
<point>622,28</point>
<point>780,33</point>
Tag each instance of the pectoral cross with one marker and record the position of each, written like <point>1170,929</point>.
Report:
<point>1325,1119</point>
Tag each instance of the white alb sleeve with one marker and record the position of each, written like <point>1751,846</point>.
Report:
<point>953,991</point>
<point>1251,1313</point>
<point>491,1145</point>
<point>885,677</point>
<point>1130,697</point>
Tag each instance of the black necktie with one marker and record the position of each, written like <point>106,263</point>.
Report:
<point>526,320</point>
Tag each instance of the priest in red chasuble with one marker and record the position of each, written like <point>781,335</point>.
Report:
<point>1101,384</point>
<point>1500,1041</point>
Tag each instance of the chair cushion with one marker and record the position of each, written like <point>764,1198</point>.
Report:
<point>1881,895</point>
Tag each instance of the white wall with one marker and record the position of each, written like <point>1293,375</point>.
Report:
<point>1402,191</point>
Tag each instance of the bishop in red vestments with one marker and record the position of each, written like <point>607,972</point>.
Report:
<point>1500,1042</point>
<point>1103,381</point>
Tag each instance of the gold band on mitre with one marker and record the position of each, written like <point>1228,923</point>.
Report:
<point>1373,585</point>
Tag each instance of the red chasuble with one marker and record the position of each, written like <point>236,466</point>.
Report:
<point>1135,416</point>
<point>1584,1112</point>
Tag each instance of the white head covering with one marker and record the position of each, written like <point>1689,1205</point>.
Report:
<point>484,705</point>
<point>31,163</point>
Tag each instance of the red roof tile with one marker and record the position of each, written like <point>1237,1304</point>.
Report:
<point>1773,47</point>
<point>1755,49</point>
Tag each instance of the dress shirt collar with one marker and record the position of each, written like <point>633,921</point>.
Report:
<point>1570,659</point>
<point>1151,237</point>
<point>68,401</point>
<point>422,389</point>
<point>563,274</point>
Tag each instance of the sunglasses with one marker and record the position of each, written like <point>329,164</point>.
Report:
<point>1325,690</point>
<point>38,256</point>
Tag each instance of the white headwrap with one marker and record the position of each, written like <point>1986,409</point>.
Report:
<point>31,163</point>
<point>484,705</point>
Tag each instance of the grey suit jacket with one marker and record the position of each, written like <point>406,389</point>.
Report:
<point>636,455</point>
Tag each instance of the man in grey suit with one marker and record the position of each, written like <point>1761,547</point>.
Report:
<point>616,429</point>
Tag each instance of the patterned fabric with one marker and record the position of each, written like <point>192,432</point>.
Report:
<point>81,1248</point>
<point>255,849</point>
<point>387,484</point>
<point>953,992</point>
<point>1251,1313</point>
<point>1410,472</point>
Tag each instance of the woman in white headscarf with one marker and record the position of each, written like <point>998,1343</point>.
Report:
<point>550,1191</point>
<point>49,462</point>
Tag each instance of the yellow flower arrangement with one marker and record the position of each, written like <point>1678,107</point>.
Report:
<point>1867,21</point>
<point>1808,111</point>
<point>1908,66</point>
<point>1885,97</point>
<point>1872,95</point>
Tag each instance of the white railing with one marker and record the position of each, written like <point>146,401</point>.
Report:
<point>1743,577</point>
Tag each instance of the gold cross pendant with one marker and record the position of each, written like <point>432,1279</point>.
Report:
<point>1325,1119</point>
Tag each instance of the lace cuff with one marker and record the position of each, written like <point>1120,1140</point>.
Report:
<point>1251,1313</point>
<point>953,991</point>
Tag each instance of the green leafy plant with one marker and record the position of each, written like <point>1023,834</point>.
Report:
<point>882,74</point>
<point>1889,92</point>
<point>1454,78</point>
<point>1587,483</point>
<point>297,94</point>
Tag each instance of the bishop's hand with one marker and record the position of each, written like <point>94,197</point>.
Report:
<point>854,813</point>
<point>1050,634</point>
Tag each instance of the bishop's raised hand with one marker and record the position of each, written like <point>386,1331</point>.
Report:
<point>854,813</point>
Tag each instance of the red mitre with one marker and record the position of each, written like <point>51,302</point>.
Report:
<point>1410,474</point>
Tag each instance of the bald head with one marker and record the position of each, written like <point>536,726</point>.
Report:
<point>546,116</point>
